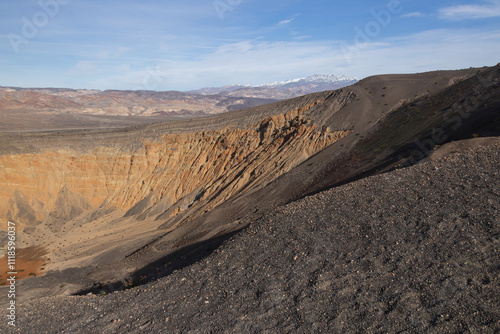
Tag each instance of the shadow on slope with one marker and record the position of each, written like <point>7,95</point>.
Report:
<point>177,260</point>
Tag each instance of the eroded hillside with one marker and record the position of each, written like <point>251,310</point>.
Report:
<point>161,178</point>
<point>78,201</point>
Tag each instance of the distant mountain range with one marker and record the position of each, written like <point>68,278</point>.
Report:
<point>50,108</point>
<point>284,89</point>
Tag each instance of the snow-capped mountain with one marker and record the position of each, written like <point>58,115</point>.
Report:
<point>285,89</point>
<point>317,79</point>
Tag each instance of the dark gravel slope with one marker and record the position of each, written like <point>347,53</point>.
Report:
<point>413,250</point>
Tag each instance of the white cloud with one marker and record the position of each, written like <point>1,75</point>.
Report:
<point>411,15</point>
<point>286,21</point>
<point>255,62</point>
<point>216,62</point>
<point>248,62</point>
<point>442,49</point>
<point>489,8</point>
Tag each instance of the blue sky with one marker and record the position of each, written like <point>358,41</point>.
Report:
<point>189,44</point>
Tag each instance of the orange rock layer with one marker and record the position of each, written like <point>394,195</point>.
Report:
<point>161,179</point>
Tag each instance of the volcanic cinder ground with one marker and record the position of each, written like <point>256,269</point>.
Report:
<point>415,250</point>
<point>325,222</point>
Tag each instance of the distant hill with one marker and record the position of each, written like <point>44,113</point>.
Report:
<point>42,109</point>
<point>284,89</point>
